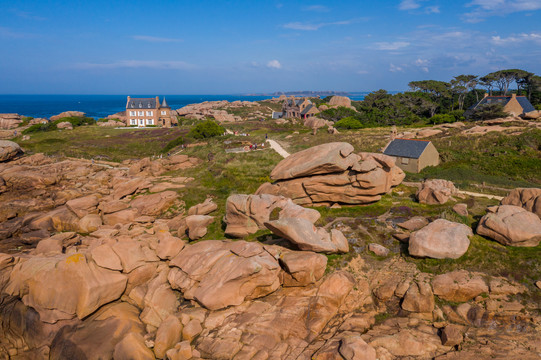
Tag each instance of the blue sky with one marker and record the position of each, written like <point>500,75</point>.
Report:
<point>224,47</point>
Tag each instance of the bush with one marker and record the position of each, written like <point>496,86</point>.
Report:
<point>335,114</point>
<point>488,111</point>
<point>538,107</point>
<point>73,120</point>
<point>206,129</point>
<point>458,114</point>
<point>442,119</point>
<point>348,123</point>
<point>173,144</point>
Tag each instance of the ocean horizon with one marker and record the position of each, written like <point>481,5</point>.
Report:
<point>100,106</point>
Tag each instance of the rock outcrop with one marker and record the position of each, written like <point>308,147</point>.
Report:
<point>332,173</point>
<point>67,114</point>
<point>9,150</point>
<point>511,225</point>
<point>306,236</point>
<point>528,198</point>
<point>10,121</point>
<point>337,101</point>
<point>441,239</point>
<point>246,214</point>
<point>436,191</point>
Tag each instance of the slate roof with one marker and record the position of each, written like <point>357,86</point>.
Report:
<point>306,109</point>
<point>164,104</point>
<point>406,148</point>
<point>142,103</point>
<point>526,105</point>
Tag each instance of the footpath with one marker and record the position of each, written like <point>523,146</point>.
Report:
<point>278,148</point>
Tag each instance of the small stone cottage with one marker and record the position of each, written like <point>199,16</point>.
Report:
<point>513,104</point>
<point>412,155</point>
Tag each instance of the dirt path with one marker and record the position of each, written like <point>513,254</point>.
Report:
<point>278,148</point>
<point>474,194</point>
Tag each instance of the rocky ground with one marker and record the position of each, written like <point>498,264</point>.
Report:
<point>101,262</point>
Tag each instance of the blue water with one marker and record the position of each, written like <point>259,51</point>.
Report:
<point>99,106</point>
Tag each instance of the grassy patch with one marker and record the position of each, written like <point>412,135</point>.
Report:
<point>100,142</point>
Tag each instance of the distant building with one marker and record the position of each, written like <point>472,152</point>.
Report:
<point>412,155</point>
<point>143,112</point>
<point>513,104</point>
<point>298,108</point>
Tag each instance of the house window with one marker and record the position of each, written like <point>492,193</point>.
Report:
<point>405,161</point>
<point>149,105</point>
<point>133,122</point>
<point>140,105</point>
<point>150,113</point>
<point>132,113</point>
<point>150,121</point>
<point>140,113</point>
<point>163,112</point>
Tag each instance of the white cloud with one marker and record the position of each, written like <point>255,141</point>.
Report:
<point>432,10</point>
<point>316,8</point>
<point>394,68</point>
<point>422,64</point>
<point>274,64</point>
<point>316,26</point>
<point>134,64</point>
<point>486,8</point>
<point>516,39</point>
<point>154,38</point>
<point>409,5</point>
<point>391,45</point>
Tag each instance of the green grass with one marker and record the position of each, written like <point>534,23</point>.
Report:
<point>99,142</point>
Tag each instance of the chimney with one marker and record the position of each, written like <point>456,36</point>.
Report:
<point>486,94</point>
<point>513,96</point>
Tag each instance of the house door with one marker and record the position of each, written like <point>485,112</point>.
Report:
<point>141,122</point>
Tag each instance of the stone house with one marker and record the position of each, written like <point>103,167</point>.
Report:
<point>143,112</point>
<point>513,104</point>
<point>412,155</point>
<point>298,108</point>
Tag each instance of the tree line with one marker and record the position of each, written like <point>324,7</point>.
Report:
<point>433,101</point>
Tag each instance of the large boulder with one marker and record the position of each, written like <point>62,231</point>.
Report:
<point>64,286</point>
<point>306,236</point>
<point>332,173</point>
<point>459,286</point>
<point>205,208</point>
<point>302,268</point>
<point>436,191</point>
<point>528,198</point>
<point>218,274</point>
<point>511,225</point>
<point>154,204</point>
<point>64,125</point>
<point>10,121</point>
<point>246,214</point>
<point>441,239</point>
<point>9,150</point>
<point>197,225</point>
<point>340,101</point>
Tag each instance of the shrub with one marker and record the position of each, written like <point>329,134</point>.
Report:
<point>335,114</point>
<point>73,120</point>
<point>458,114</point>
<point>442,119</point>
<point>173,144</point>
<point>488,111</point>
<point>348,123</point>
<point>538,107</point>
<point>206,129</point>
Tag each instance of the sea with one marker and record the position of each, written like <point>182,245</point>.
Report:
<point>100,106</point>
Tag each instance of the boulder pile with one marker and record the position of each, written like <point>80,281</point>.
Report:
<point>436,191</point>
<point>332,173</point>
<point>10,121</point>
